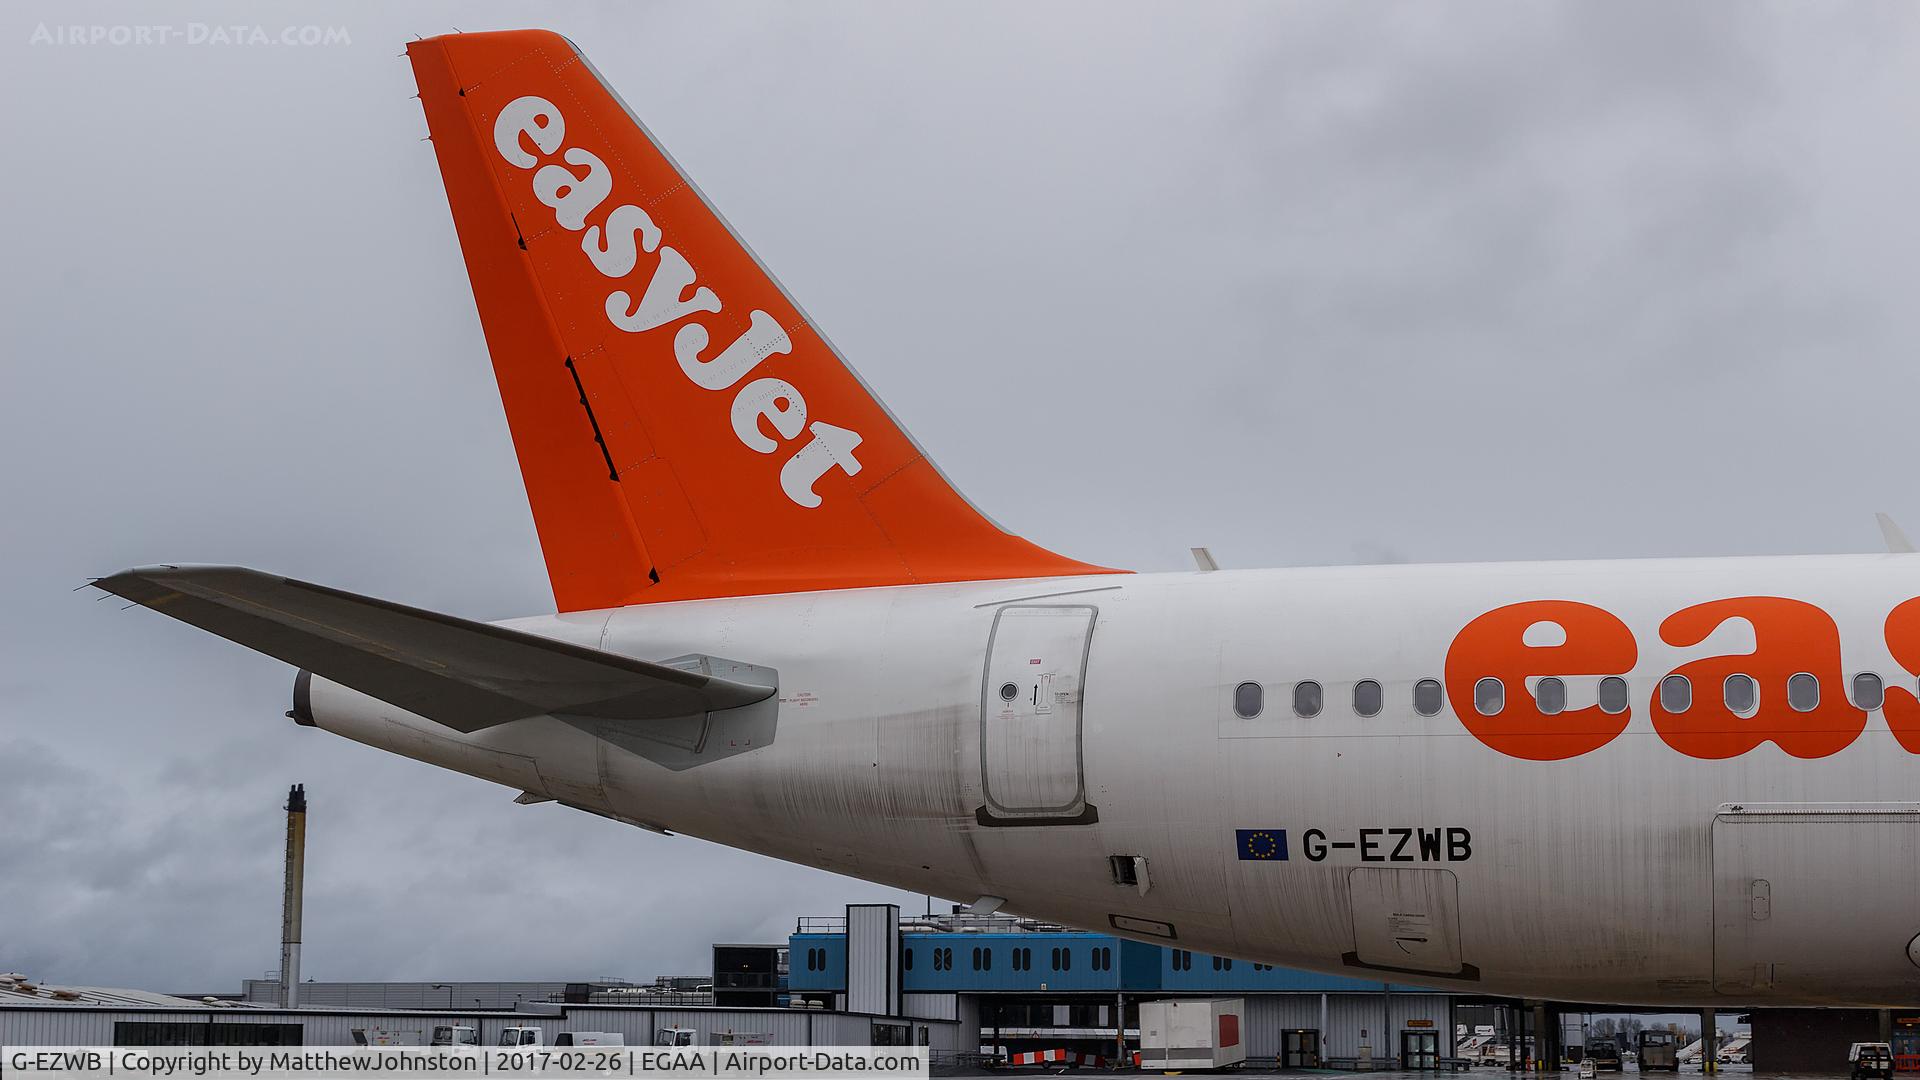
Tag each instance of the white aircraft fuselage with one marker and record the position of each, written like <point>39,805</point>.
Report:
<point>1010,738</point>
<point>782,629</point>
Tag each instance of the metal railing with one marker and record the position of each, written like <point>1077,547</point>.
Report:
<point>943,924</point>
<point>670,999</point>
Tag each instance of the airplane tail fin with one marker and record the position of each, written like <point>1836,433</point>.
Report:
<point>682,428</point>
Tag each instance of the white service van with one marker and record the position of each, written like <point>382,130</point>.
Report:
<point>455,1035</point>
<point>589,1038</point>
<point>533,1036</point>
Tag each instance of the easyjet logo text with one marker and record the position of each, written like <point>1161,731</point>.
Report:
<point>575,186</point>
<point>1792,640</point>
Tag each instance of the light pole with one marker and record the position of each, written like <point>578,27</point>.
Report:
<point>449,990</point>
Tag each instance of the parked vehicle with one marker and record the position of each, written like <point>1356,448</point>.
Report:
<point>1605,1054</point>
<point>384,1037</point>
<point>1659,1051</point>
<point>1872,1059</point>
<point>589,1038</point>
<point>455,1035</point>
<point>533,1036</point>
<point>673,1036</point>
<point>521,1036</point>
<point>1199,1033</point>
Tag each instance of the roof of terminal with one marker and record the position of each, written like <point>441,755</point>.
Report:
<point>20,990</point>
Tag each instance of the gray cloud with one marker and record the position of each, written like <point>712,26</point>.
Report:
<point>1304,283</point>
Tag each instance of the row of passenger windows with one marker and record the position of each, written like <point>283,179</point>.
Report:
<point>1183,961</point>
<point>1100,957</point>
<point>1740,692</point>
<point>1249,698</point>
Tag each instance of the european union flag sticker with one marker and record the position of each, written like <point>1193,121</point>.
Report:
<point>1262,845</point>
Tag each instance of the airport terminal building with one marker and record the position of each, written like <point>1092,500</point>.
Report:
<point>1024,985</point>
<point>960,984</point>
<point>969,987</point>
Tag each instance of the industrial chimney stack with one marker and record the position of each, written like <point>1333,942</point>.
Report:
<point>290,907</point>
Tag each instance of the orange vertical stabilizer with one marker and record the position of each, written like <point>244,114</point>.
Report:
<point>682,429</point>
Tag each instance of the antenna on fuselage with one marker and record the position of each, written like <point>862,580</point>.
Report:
<point>1203,559</point>
<point>1896,537</point>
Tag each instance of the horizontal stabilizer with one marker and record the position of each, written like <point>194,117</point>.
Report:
<point>464,674</point>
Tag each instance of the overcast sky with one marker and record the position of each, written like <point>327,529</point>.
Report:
<point>1304,282</point>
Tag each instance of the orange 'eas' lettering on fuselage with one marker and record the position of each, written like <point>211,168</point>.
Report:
<point>1595,642</point>
<point>1790,637</point>
<point>1902,708</point>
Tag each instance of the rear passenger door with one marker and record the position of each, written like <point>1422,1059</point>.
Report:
<point>1031,765</point>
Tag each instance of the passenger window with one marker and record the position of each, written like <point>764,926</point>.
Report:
<point>1742,693</point>
<point>1366,697</point>
<point>1489,697</point>
<point>1613,695</point>
<point>1306,699</point>
<point>1426,697</point>
<point>1551,695</point>
<point>1676,694</point>
<point>1248,699</point>
<point>1867,691</point>
<point>1803,692</point>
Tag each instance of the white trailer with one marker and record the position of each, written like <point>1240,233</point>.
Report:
<point>384,1037</point>
<point>1191,1033</point>
<point>590,1038</point>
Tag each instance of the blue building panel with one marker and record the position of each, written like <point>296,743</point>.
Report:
<point>1142,965</point>
<point>965,963</point>
<point>817,962</point>
<point>1184,971</point>
<point>1008,963</point>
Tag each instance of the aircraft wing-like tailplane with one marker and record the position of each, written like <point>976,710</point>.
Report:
<point>464,674</point>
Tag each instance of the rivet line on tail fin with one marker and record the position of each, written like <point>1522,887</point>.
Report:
<point>612,473</point>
